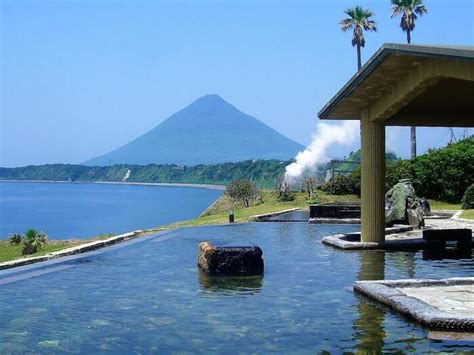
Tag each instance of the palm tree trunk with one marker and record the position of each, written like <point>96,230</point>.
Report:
<point>359,61</point>
<point>413,141</point>
<point>412,128</point>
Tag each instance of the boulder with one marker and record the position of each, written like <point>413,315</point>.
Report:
<point>230,260</point>
<point>402,206</point>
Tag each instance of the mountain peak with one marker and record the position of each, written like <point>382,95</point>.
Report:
<point>210,130</point>
<point>211,100</point>
<point>211,105</point>
<point>211,97</point>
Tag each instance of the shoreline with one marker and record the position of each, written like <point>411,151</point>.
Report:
<point>165,184</point>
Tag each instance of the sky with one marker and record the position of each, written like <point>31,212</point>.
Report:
<point>81,78</point>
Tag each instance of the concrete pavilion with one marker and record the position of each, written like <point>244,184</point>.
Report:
<point>401,85</point>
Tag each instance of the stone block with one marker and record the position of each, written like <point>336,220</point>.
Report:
<point>230,260</point>
<point>461,235</point>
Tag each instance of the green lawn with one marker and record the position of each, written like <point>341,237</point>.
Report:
<point>13,251</point>
<point>439,205</point>
<point>218,213</point>
<point>468,214</point>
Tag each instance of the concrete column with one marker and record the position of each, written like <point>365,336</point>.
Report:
<point>372,179</point>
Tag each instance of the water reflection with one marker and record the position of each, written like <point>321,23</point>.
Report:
<point>230,285</point>
<point>447,253</point>
<point>368,328</point>
<point>372,266</point>
<point>404,264</point>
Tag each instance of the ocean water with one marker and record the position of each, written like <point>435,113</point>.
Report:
<point>148,296</point>
<point>77,210</point>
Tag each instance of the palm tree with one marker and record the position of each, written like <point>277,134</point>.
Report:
<point>358,20</point>
<point>409,9</point>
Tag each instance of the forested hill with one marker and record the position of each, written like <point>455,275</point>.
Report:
<point>263,172</point>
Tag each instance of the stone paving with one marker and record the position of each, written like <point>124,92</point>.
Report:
<point>446,304</point>
<point>458,299</point>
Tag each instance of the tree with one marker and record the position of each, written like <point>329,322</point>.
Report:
<point>409,9</point>
<point>358,20</point>
<point>309,185</point>
<point>284,188</point>
<point>242,190</point>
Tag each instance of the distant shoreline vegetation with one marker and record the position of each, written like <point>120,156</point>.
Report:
<point>262,172</point>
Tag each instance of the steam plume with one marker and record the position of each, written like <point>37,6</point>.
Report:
<point>315,154</point>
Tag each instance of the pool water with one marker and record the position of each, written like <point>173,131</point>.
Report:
<point>293,216</point>
<point>149,296</point>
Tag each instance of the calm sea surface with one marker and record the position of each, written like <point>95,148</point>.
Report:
<point>65,210</point>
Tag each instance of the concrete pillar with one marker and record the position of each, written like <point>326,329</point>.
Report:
<point>372,179</point>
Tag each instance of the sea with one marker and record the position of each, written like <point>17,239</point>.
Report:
<point>84,210</point>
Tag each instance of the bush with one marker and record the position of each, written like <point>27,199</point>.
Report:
<point>445,174</point>
<point>341,185</point>
<point>33,241</point>
<point>442,174</point>
<point>15,238</point>
<point>468,198</point>
<point>242,190</point>
<point>284,189</point>
<point>286,196</point>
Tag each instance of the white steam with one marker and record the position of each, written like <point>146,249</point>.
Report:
<point>315,154</point>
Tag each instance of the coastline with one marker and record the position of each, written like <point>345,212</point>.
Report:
<point>166,184</point>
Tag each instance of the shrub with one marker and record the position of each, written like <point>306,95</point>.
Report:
<point>15,238</point>
<point>340,185</point>
<point>33,241</point>
<point>284,188</point>
<point>242,190</point>
<point>442,174</point>
<point>445,174</point>
<point>468,198</point>
<point>286,196</point>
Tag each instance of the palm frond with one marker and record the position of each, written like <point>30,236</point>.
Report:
<point>359,19</point>
<point>346,24</point>
<point>420,10</point>
<point>409,9</point>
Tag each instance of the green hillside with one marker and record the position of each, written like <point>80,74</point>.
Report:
<point>263,172</point>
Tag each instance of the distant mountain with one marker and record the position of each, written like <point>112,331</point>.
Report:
<point>209,131</point>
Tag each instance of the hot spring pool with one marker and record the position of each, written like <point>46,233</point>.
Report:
<point>148,296</point>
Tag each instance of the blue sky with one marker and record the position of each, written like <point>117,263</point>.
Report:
<point>80,78</point>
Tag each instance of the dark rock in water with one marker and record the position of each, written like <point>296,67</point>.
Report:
<point>402,206</point>
<point>230,260</point>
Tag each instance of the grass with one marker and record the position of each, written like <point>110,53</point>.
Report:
<point>218,212</point>
<point>468,214</point>
<point>440,205</point>
<point>10,251</point>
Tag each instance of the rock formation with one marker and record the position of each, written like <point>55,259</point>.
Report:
<point>402,206</point>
